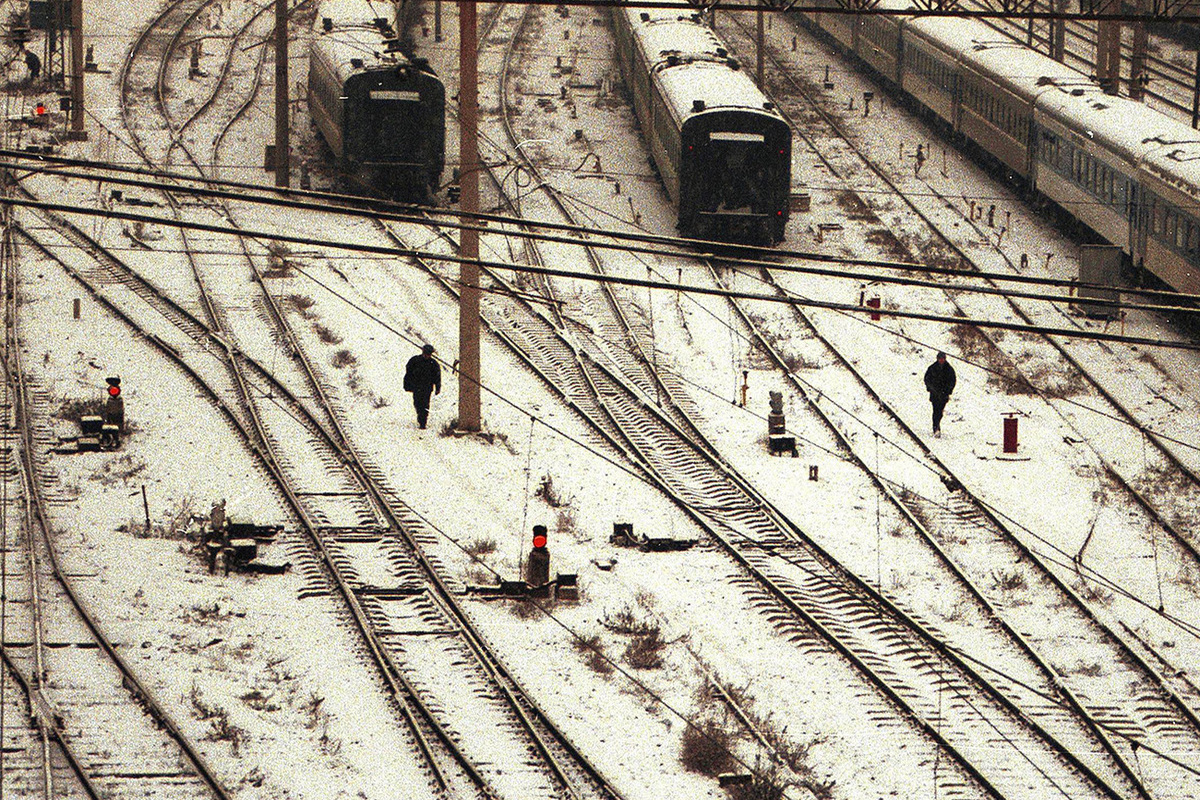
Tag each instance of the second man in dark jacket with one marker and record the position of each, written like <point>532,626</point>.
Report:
<point>939,381</point>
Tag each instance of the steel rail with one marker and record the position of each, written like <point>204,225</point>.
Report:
<point>137,689</point>
<point>1154,675</point>
<point>1130,419</point>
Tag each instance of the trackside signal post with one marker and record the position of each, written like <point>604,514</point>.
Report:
<point>469,418</point>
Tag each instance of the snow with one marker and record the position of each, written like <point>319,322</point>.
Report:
<point>327,728</point>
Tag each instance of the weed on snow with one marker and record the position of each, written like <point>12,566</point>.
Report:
<point>220,729</point>
<point>326,335</point>
<point>1052,380</point>
<point>551,495</point>
<point>644,651</point>
<point>1093,593</point>
<point>176,524</point>
<point>258,701</point>
<point>303,305</point>
<point>592,650</point>
<point>566,524</point>
<point>344,358</point>
<point>118,470</point>
<point>974,346</point>
<point>629,622</point>
<point>205,614</point>
<point>706,748</point>
<point>480,548</point>
<point>74,410</point>
<point>1007,581</point>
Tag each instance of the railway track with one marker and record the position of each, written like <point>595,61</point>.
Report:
<point>661,447</point>
<point>1133,451</point>
<point>100,730</point>
<point>1157,690</point>
<point>479,733</point>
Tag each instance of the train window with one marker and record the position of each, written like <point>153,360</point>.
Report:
<point>1193,237</point>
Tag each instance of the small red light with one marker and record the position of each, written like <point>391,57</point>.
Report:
<point>113,391</point>
<point>41,109</point>
<point>690,147</point>
<point>539,540</point>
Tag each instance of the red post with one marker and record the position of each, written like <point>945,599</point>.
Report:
<point>1010,433</point>
<point>874,302</point>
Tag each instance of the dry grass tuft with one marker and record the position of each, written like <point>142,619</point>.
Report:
<point>707,749</point>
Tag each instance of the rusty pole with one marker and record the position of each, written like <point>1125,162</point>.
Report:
<point>282,165</point>
<point>469,418</point>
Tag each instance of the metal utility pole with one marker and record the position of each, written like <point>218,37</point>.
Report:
<point>759,50</point>
<point>1137,58</point>
<point>469,417</point>
<point>1058,32</point>
<point>1108,56</point>
<point>282,165</point>
<point>77,134</point>
<point>1196,93</point>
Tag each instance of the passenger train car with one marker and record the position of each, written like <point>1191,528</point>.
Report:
<point>724,153</point>
<point>1127,172</point>
<point>381,113</point>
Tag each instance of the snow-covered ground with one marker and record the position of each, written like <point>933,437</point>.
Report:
<point>287,670</point>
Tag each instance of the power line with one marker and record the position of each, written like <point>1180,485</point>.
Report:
<point>788,299</point>
<point>738,254</point>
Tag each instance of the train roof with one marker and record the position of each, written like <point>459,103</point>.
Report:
<point>667,33</point>
<point>354,43</point>
<point>717,85</point>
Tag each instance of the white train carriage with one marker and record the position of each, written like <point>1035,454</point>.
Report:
<point>1166,236</point>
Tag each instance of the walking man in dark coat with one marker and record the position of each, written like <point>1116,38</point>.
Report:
<point>422,377</point>
<point>939,380</point>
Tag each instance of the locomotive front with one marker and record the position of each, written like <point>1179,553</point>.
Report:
<point>735,155</point>
<point>394,129</point>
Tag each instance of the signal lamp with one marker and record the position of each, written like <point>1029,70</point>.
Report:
<point>41,109</point>
<point>114,386</point>
<point>539,540</point>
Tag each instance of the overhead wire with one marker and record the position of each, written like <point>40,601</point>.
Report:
<point>740,254</point>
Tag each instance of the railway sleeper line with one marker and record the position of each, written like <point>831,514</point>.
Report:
<point>606,426</point>
<point>509,692</point>
<point>1155,678</point>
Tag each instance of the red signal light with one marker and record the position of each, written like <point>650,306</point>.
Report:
<point>114,391</point>
<point>41,109</point>
<point>539,540</point>
<point>114,386</point>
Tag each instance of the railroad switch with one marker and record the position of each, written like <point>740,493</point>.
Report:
<point>623,536</point>
<point>227,545</point>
